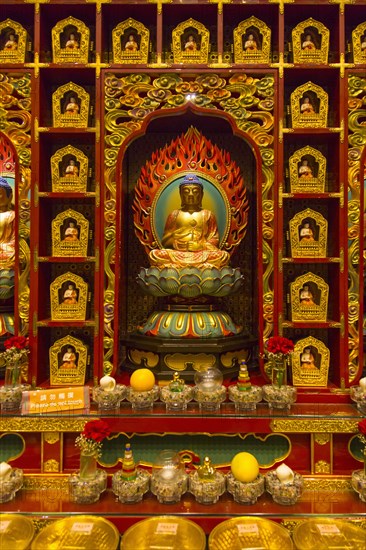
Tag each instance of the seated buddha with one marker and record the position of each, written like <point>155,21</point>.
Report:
<point>191,235</point>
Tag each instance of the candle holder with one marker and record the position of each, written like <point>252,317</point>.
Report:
<point>168,479</point>
<point>282,491</point>
<point>142,400</point>
<point>131,483</point>
<point>87,491</point>
<point>279,397</point>
<point>209,392</point>
<point>10,484</point>
<point>176,395</point>
<point>245,492</point>
<point>108,400</point>
<point>358,395</point>
<point>206,484</point>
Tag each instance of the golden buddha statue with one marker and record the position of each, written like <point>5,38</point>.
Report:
<point>191,236</point>
<point>7,226</point>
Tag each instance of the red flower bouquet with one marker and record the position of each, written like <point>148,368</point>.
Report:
<point>16,348</point>
<point>89,441</point>
<point>279,346</point>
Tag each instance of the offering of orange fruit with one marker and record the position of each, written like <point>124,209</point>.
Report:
<point>142,380</point>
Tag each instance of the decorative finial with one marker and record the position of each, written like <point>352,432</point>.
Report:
<point>177,384</point>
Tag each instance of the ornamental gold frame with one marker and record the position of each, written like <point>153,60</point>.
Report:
<point>62,55</point>
<point>308,185</point>
<point>123,57</point>
<point>359,56</point>
<point>320,55</point>
<point>311,249</point>
<point>62,120</point>
<point>260,56</point>
<point>67,184</point>
<point>201,55</point>
<point>68,312</point>
<point>318,312</point>
<point>315,120</point>
<point>17,56</point>
<point>63,377</point>
<point>61,247</point>
<point>311,377</point>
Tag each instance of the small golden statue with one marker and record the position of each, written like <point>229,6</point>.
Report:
<point>309,106</point>
<point>70,41</point>
<point>191,234</point>
<point>68,360</point>
<point>309,298</point>
<point>70,106</point>
<point>206,471</point>
<point>190,42</point>
<point>69,170</point>
<point>13,42</point>
<point>308,234</point>
<point>310,42</point>
<point>70,234</point>
<point>310,363</point>
<point>252,41</point>
<point>307,171</point>
<point>68,293</point>
<point>130,42</point>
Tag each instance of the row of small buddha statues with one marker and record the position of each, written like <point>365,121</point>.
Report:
<point>190,42</point>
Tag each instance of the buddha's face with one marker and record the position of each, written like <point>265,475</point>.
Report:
<point>191,195</point>
<point>308,38</point>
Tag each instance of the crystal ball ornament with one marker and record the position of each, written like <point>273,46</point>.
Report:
<point>209,391</point>
<point>209,380</point>
<point>169,480</point>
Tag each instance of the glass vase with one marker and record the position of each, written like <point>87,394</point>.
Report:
<point>279,371</point>
<point>88,467</point>
<point>12,374</point>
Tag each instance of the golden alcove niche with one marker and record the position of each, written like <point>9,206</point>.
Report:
<point>70,41</point>
<point>68,361</point>
<point>69,170</point>
<point>70,234</point>
<point>308,234</point>
<point>359,43</point>
<point>130,42</point>
<point>310,42</point>
<point>162,137</point>
<point>70,106</point>
<point>13,42</point>
<point>309,298</point>
<point>252,41</point>
<point>307,171</point>
<point>310,363</point>
<point>309,106</point>
<point>69,295</point>
<point>190,42</point>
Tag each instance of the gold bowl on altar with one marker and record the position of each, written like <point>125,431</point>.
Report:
<point>16,531</point>
<point>329,533</point>
<point>171,532</point>
<point>81,532</point>
<point>249,532</point>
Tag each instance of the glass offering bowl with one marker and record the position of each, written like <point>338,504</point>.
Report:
<point>142,400</point>
<point>87,491</point>
<point>11,485</point>
<point>284,493</point>
<point>176,401</point>
<point>130,491</point>
<point>245,400</point>
<point>207,491</point>
<point>279,397</point>
<point>358,395</point>
<point>245,492</point>
<point>358,480</point>
<point>109,400</point>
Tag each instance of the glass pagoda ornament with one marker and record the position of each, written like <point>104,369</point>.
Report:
<point>207,484</point>
<point>209,391</point>
<point>130,483</point>
<point>243,393</point>
<point>176,394</point>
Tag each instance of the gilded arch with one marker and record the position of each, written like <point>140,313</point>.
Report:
<point>130,100</point>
